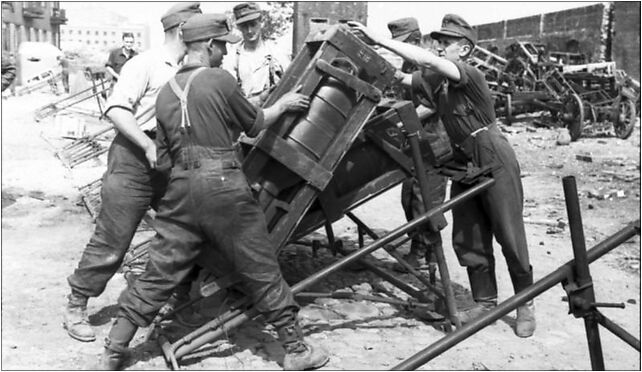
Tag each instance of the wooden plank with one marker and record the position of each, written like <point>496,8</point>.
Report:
<point>295,160</point>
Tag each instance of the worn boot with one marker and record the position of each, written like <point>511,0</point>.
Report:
<point>76,321</point>
<point>116,352</point>
<point>300,355</point>
<point>480,308</point>
<point>525,324</point>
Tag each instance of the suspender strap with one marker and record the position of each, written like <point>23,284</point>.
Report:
<point>182,95</point>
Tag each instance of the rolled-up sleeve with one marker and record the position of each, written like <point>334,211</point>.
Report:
<point>243,113</point>
<point>131,86</point>
<point>464,74</point>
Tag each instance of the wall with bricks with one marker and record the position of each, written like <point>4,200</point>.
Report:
<point>625,49</point>
<point>580,30</point>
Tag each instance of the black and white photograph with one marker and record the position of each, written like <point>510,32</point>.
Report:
<point>333,185</point>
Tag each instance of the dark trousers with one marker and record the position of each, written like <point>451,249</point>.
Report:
<point>211,204</point>
<point>129,188</point>
<point>412,203</point>
<point>495,213</point>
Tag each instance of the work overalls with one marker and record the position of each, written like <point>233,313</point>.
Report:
<point>209,205</point>
<point>496,212</point>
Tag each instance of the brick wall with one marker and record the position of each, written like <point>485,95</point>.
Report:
<point>582,25</point>
<point>626,37</point>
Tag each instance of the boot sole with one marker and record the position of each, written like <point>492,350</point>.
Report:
<point>327,359</point>
<point>78,338</point>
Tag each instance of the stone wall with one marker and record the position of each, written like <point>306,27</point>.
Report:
<point>589,30</point>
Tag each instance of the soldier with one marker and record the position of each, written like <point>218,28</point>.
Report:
<point>256,63</point>
<point>465,105</point>
<point>200,113</point>
<point>424,241</point>
<point>131,183</point>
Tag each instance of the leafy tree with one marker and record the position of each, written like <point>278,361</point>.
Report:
<point>277,18</point>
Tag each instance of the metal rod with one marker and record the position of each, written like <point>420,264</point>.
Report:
<point>237,318</point>
<point>420,172</point>
<point>618,331</point>
<point>440,346</point>
<point>402,262</point>
<point>582,272</point>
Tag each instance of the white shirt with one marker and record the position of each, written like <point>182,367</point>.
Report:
<point>141,78</point>
<point>252,68</point>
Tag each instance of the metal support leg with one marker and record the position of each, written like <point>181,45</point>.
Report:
<point>583,301</point>
<point>420,171</point>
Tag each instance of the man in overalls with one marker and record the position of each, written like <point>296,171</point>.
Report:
<point>407,30</point>
<point>131,183</point>
<point>256,64</point>
<point>465,105</point>
<point>209,204</point>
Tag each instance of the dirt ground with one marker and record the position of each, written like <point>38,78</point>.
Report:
<point>44,230</point>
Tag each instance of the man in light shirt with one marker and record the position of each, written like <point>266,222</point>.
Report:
<point>255,63</point>
<point>132,182</point>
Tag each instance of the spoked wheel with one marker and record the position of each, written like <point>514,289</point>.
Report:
<point>508,109</point>
<point>625,122</point>
<point>574,116</point>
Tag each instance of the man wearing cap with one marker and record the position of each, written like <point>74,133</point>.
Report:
<point>256,63</point>
<point>465,105</point>
<point>406,30</point>
<point>208,204</point>
<point>131,183</point>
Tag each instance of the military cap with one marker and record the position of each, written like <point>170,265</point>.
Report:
<point>455,26</point>
<point>179,13</point>
<point>209,26</point>
<point>401,29</point>
<point>245,12</point>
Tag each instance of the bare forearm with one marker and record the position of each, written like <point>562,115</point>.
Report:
<point>112,72</point>
<point>126,124</point>
<point>271,114</point>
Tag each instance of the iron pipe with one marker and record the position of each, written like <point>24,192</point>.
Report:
<point>241,318</point>
<point>618,331</point>
<point>582,272</point>
<point>562,273</point>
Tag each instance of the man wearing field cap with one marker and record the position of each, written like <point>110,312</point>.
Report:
<point>465,105</point>
<point>208,210</point>
<point>256,64</point>
<point>131,183</point>
<point>423,242</point>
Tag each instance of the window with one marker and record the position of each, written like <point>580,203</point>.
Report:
<point>104,33</point>
<point>138,34</point>
<point>96,33</point>
<point>79,32</point>
<point>113,33</point>
<point>88,32</point>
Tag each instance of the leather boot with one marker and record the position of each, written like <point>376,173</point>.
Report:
<point>116,352</point>
<point>525,324</point>
<point>76,321</point>
<point>483,286</point>
<point>299,354</point>
<point>476,311</point>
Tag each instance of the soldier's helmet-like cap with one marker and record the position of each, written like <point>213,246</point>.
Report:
<point>179,13</point>
<point>209,26</point>
<point>455,26</point>
<point>246,12</point>
<point>401,29</point>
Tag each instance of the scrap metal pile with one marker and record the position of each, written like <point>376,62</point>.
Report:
<point>593,98</point>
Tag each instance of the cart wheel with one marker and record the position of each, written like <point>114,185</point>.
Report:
<point>574,116</point>
<point>508,109</point>
<point>625,122</point>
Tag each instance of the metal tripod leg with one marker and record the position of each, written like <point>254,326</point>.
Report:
<point>411,122</point>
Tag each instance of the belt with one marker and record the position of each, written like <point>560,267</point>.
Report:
<point>192,156</point>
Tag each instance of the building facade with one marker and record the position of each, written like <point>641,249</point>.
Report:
<point>31,21</point>
<point>102,37</point>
